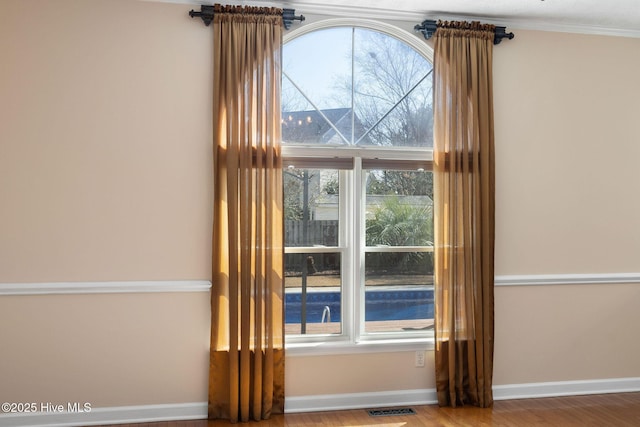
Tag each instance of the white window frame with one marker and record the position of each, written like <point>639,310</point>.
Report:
<point>352,240</point>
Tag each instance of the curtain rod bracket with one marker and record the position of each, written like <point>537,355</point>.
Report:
<point>500,34</point>
<point>429,26</point>
<point>207,11</point>
<point>289,15</point>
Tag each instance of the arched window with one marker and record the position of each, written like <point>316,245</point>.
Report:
<point>357,133</point>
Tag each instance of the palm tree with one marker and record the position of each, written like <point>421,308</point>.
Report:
<point>398,223</point>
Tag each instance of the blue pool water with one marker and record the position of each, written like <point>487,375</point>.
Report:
<point>379,305</point>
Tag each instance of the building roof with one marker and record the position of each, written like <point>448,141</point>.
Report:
<point>311,127</point>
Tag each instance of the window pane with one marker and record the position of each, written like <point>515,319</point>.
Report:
<point>313,292</point>
<point>399,208</point>
<point>398,291</point>
<point>319,63</point>
<point>316,106</point>
<point>311,207</point>
<point>398,283</point>
<point>324,127</point>
<point>407,124</point>
<point>392,96</point>
<point>359,86</point>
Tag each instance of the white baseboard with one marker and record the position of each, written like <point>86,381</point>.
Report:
<point>337,402</point>
<point>565,388</point>
<point>316,403</point>
<point>428,396</point>
<point>112,415</point>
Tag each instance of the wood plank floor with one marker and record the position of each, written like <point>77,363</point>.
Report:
<point>616,410</point>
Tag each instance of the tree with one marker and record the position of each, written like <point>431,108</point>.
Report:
<point>393,101</point>
<point>294,182</point>
<point>291,99</point>
<point>399,223</point>
<point>392,91</point>
<point>402,182</point>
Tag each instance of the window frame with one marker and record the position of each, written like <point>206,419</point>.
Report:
<point>352,242</point>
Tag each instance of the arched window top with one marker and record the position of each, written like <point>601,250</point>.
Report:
<point>356,83</point>
<point>410,39</point>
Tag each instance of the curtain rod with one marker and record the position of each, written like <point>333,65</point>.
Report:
<point>206,13</point>
<point>428,27</point>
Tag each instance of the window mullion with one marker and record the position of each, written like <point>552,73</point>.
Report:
<point>353,87</point>
<point>345,239</point>
<point>358,248</point>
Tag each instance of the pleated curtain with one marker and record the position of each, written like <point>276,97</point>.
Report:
<point>246,375</point>
<point>464,219</point>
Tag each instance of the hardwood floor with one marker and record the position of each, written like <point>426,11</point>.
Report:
<point>595,410</point>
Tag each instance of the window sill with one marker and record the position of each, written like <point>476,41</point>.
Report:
<point>327,348</point>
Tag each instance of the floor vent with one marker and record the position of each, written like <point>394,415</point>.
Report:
<point>389,412</point>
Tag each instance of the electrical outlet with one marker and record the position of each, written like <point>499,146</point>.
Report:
<point>420,359</point>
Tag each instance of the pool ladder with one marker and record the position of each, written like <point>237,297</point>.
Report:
<point>326,314</point>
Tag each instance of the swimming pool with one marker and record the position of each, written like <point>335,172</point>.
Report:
<point>380,304</point>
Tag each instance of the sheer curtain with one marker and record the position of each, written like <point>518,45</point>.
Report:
<point>464,213</point>
<point>246,375</point>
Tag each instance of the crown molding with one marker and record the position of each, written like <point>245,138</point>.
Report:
<point>417,16</point>
<point>524,24</point>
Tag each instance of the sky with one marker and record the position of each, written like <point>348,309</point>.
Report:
<point>305,60</point>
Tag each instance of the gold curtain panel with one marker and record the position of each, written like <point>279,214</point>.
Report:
<point>246,375</point>
<point>464,222</point>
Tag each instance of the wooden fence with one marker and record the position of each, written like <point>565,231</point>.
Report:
<point>319,232</point>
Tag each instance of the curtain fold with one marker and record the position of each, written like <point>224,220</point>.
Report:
<point>246,374</point>
<point>464,219</point>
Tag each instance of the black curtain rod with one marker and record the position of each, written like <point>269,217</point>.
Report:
<point>428,27</point>
<point>206,13</point>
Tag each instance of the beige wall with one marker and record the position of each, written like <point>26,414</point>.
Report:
<point>107,350</point>
<point>567,141</point>
<point>104,175</point>
<point>566,333</point>
<point>104,170</point>
<point>105,139</point>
